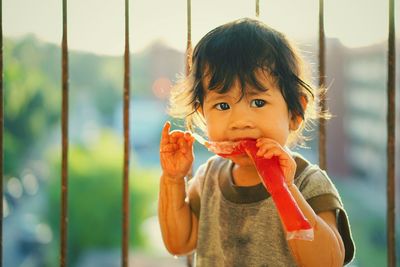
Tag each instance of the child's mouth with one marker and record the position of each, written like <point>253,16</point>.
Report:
<point>223,148</point>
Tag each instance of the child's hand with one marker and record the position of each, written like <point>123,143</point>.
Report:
<point>176,153</point>
<point>269,148</point>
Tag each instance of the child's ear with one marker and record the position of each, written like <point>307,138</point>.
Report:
<point>296,120</point>
<point>199,109</point>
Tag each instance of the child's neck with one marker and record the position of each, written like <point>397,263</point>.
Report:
<point>245,175</point>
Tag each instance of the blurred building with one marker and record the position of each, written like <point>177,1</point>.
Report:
<point>357,97</point>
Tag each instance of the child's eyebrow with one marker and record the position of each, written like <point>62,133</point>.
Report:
<point>216,96</point>
<point>258,92</point>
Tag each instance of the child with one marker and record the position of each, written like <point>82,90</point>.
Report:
<point>246,82</point>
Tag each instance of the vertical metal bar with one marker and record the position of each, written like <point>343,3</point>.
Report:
<point>1,132</point>
<point>189,50</point>
<point>125,184</point>
<point>188,64</point>
<point>64,137</point>
<point>391,128</point>
<point>322,129</point>
<point>257,8</point>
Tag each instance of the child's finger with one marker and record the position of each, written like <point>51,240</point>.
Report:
<point>189,144</point>
<point>186,145</point>
<point>264,148</point>
<point>262,141</point>
<point>192,140</point>
<point>175,135</point>
<point>188,136</point>
<point>168,148</point>
<point>182,144</point>
<point>273,151</point>
<point>165,133</point>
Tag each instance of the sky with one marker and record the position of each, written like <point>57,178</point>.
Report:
<point>98,25</point>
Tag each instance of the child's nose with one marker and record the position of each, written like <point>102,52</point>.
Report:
<point>242,124</point>
<point>241,118</point>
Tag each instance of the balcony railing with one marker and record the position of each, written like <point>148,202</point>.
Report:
<point>391,126</point>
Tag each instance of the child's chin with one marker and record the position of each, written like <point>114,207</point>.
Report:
<point>242,160</point>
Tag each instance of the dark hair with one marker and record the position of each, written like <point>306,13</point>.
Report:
<point>235,51</point>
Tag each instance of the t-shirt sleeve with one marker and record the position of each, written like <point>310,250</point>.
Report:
<point>322,195</point>
<point>315,183</point>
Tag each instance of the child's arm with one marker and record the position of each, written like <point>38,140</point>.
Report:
<point>327,248</point>
<point>178,224</point>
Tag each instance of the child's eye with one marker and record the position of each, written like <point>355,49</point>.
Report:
<point>222,106</point>
<point>257,103</point>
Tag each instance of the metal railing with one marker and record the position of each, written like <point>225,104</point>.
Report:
<point>125,184</point>
<point>321,70</point>
<point>391,126</point>
<point>391,143</point>
<point>125,187</point>
<point>64,140</point>
<point>1,132</point>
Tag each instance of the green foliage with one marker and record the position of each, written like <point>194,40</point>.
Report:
<point>95,196</point>
<point>32,92</point>
<point>367,220</point>
<point>31,102</point>
<point>99,79</point>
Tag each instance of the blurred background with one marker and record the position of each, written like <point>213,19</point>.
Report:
<point>356,74</point>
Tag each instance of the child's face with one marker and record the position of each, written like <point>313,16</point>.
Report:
<point>258,114</point>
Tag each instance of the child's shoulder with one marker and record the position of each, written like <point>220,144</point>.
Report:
<point>214,165</point>
<point>207,170</point>
<point>305,167</point>
<point>311,179</point>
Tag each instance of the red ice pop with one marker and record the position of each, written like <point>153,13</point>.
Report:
<point>294,221</point>
<point>297,226</point>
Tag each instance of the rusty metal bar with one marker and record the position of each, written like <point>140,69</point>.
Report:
<point>188,66</point>
<point>64,138</point>
<point>125,183</point>
<point>391,142</point>
<point>1,132</point>
<point>322,126</point>
<point>257,8</point>
<point>189,49</point>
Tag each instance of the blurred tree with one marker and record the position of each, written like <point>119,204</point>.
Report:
<point>31,102</point>
<point>32,85</point>
<point>32,126</point>
<point>95,196</point>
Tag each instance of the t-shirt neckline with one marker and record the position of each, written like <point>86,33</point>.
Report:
<point>249,194</point>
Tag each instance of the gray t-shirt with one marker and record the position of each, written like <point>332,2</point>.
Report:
<point>239,226</point>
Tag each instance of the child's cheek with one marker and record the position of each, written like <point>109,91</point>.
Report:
<point>215,131</point>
